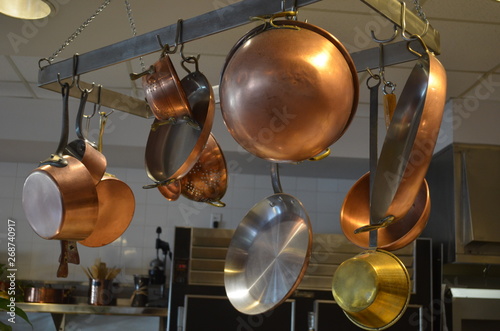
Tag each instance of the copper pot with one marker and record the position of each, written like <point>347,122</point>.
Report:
<point>45,295</point>
<point>355,213</point>
<point>287,94</point>
<point>59,197</point>
<point>164,92</point>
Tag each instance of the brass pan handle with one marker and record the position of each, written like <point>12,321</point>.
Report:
<point>385,222</point>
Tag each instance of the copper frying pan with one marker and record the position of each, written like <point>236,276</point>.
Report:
<point>410,140</point>
<point>269,252</point>
<point>277,99</point>
<point>59,197</point>
<point>116,205</point>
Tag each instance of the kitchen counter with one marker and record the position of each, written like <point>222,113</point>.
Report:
<point>59,311</point>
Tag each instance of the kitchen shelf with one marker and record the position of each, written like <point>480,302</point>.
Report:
<point>59,311</point>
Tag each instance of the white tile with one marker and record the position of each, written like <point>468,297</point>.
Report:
<point>329,201</point>
<point>6,208</point>
<point>288,183</point>
<point>246,181</point>
<point>155,213</point>
<point>131,257</point>
<point>262,181</point>
<point>133,236</point>
<point>307,184</point>
<point>7,185</point>
<point>327,185</point>
<point>8,169</point>
<point>327,223</point>
<point>344,185</point>
<point>243,198</point>
<point>137,175</point>
<point>139,214</point>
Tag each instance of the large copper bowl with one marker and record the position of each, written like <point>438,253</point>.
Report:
<point>355,213</point>
<point>287,94</point>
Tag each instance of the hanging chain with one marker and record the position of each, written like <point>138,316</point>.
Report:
<point>420,10</point>
<point>134,30</point>
<point>78,31</point>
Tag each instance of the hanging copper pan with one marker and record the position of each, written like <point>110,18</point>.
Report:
<point>355,214</point>
<point>207,180</point>
<point>269,252</point>
<point>410,140</point>
<point>171,191</point>
<point>59,197</point>
<point>116,205</point>
<point>173,149</point>
<point>164,93</point>
<point>84,150</point>
<point>288,91</point>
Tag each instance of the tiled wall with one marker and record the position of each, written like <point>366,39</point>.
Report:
<point>37,258</point>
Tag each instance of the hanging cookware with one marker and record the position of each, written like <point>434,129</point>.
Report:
<point>83,150</point>
<point>59,197</point>
<point>207,180</point>
<point>410,140</point>
<point>116,204</point>
<point>163,90</point>
<point>171,191</point>
<point>355,214</point>
<point>173,149</point>
<point>372,288</point>
<point>288,91</point>
<point>269,252</point>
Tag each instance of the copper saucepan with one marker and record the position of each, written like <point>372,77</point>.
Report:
<point>164,92</point>
<point>288,91</point>
<point>269,252</point>
<point>116,205</point>
<point>59,197</point>
<point>410,140</point>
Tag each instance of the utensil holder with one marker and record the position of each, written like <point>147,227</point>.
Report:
<point>101,292</point>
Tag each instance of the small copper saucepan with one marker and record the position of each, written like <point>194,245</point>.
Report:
<point>59,197</point>
<point>288,91</point>
<point>164,92</point>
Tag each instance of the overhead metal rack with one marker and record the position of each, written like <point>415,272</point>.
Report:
<point>217,21</point>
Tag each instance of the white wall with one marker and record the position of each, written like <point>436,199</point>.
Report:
<point>37,258</point>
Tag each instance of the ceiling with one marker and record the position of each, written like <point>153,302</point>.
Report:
<point>470,52</point>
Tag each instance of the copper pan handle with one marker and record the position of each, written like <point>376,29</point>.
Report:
<point>321,155</point>
<point>385,222</point>
<point>217,203</point>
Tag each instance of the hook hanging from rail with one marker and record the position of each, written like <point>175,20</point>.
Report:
<point>403,25</point>
<point>75,68</point>
<point>388,40</point>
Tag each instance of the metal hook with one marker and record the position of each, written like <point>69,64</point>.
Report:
<point>419,38</point>
<point>403,25</point>
<point>188,59</point>
<point>75,67</point>
<point>293,11</point>
<point>383,41</point>
<point>165,48</point>
<point>97,105</point>
<point>84,89</point>
<point>381,71</point>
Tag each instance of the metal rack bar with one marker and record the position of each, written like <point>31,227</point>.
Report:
<point>210,23</point>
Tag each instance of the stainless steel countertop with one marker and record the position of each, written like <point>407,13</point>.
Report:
<point>56,308</point>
